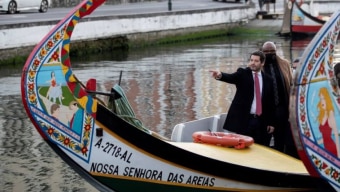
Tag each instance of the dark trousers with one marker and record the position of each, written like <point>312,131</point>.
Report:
<point>257,130</point>
<point>290,148</point>
<point>281,126</point>
<point>283,138</point>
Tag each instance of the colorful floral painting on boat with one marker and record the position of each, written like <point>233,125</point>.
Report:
<point>65,117</point>
<point>318,103</point>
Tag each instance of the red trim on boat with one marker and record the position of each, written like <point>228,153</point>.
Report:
<point>306,28</point>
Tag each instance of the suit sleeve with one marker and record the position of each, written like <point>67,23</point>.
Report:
<point>232,78</point>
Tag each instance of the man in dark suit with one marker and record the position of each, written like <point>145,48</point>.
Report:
<point>242,117</point>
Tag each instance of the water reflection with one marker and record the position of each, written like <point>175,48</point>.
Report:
<point>165,86</point>
<point>174,85</point>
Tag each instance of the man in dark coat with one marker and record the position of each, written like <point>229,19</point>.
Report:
<point>242,117</point>
<point>280,70</point>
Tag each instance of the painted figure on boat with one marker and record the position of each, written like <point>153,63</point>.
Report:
<point>54,92</point>
<point>55,111</point>
<point>327,124</point>
<point>76,118</point>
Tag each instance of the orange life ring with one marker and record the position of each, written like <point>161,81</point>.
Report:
<point>223,139</point>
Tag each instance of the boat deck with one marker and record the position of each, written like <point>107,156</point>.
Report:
<point>269,159</point>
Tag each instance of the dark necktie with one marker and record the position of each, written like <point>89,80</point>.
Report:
<point>276,95</point>
<point>258,95</point>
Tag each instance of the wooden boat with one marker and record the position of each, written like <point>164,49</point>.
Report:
<point>305,17</point>
<point>315,93</point>
<point>109,147</point>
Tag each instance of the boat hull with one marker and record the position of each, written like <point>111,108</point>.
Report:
<point>307,17</point>
<point>114,153</point>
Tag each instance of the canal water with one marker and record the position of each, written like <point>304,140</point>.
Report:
<point>165,85</point>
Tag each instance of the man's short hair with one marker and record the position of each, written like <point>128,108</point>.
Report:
<point>260,54</point>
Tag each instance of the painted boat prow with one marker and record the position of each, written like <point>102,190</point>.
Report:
<point>315,88</point>
<point>49,56</point>
<point>43,51</point>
